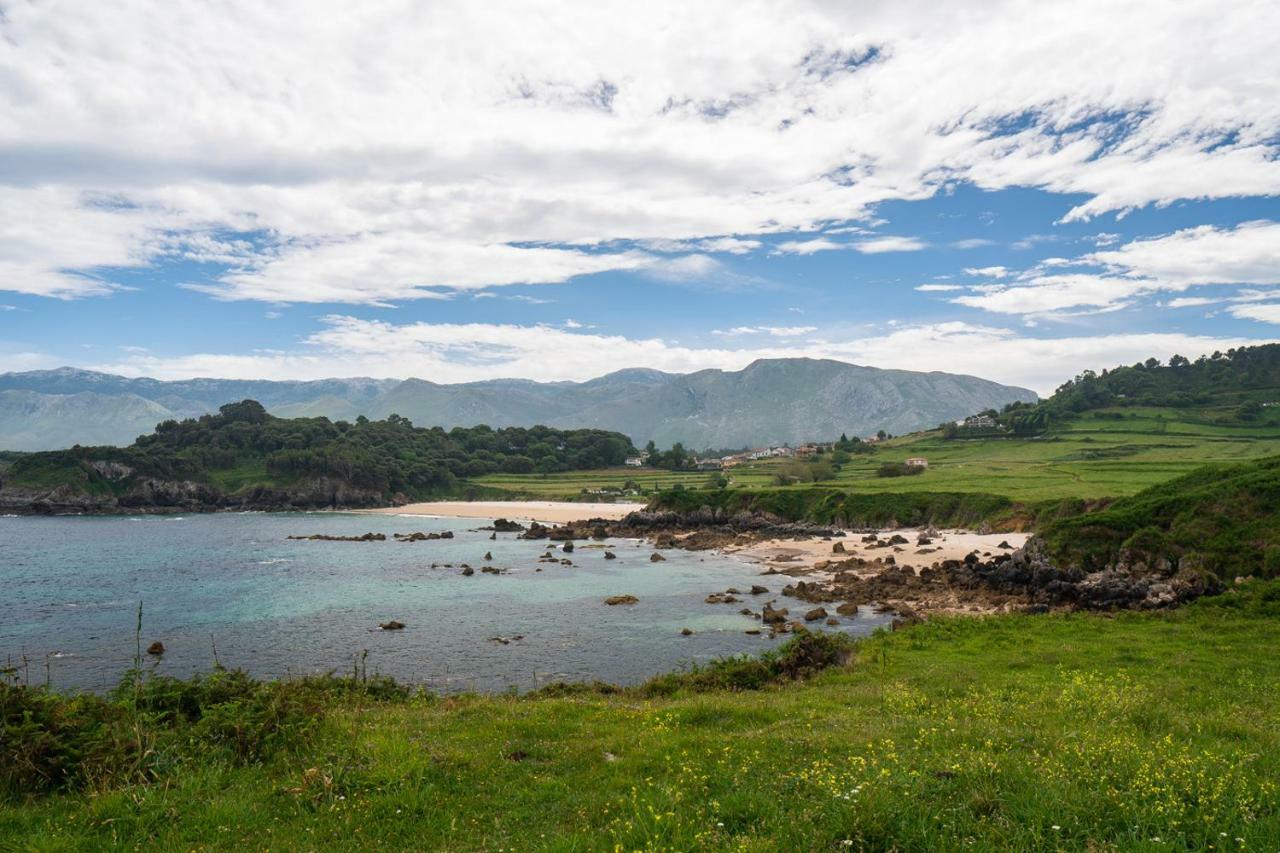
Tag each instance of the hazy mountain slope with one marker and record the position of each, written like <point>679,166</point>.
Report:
<point>791,400</point>
<point>33,421</point>
<point>770,401</point>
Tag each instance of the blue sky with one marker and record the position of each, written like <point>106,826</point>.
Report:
<point>1009,192</point>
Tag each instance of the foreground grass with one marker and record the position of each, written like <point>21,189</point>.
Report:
<point>1157,731</point>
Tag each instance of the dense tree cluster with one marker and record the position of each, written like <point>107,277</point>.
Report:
<point>391,455</point>
<point>1180,383</point>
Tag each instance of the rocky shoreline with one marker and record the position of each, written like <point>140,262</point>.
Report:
<point>1019,579</point>
<point>1024,579</point>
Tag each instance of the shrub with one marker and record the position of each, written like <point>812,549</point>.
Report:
<point>149,726</point>
<point>898,469</point>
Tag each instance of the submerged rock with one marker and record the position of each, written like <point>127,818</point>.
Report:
<point>614,600</point>
<point>393,625</point>
<point>156,648</point>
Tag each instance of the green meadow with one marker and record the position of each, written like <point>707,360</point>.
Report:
<point>1110,452</point>
<point>1157,731</point>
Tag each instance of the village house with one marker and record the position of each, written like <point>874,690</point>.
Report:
<point>917,462</point>
<point>978,422</point>
<point>635,461</point>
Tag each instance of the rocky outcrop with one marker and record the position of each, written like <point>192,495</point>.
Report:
<point>1025,579</point>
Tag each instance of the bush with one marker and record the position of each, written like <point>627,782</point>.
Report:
<point>803,656</point>
<point>147,727</point>
<point>898,469</point>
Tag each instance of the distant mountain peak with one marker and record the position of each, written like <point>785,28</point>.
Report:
<point>768,401</point>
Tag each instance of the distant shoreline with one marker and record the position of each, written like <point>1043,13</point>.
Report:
<point>546,512</point>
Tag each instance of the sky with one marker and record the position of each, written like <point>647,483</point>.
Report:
<point>552,190</point>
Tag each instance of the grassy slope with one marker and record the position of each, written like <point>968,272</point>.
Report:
<point>1096,455</point>
<point>1075,731</point>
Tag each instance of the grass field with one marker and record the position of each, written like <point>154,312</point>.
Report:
<point>1066,732</point>
<point>1108,453</point>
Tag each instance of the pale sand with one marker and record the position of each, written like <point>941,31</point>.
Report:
<point>802,555</point>
<point>546,512</point>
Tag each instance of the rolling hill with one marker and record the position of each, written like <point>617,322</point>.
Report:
<point>769,401</point>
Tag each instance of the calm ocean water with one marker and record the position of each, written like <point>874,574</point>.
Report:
<point>275,607</point>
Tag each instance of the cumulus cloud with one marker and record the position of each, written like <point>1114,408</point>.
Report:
<point>1248,254</point>
<point>401,150</point>
<point>1264,313</point>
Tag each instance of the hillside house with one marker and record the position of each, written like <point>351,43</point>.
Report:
<point>917,462</point>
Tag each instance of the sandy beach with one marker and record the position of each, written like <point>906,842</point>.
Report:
<point>803,555</point>
<point>546,512</point>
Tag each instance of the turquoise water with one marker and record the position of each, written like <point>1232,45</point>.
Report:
<point>235,585</point>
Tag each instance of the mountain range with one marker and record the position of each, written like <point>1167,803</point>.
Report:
<point>770,401</point>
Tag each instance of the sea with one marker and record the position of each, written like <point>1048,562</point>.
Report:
<point>232,589</point>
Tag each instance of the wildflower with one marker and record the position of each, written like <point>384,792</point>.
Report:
<point>1055,827</point>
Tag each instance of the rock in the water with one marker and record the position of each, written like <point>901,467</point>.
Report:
<point>468,572</point>
<point>1004,544</point>
<point>837,548</point>
<point>685,632</point>
<point>501,525</point>
<point>488,556</point>
<point>756,589</point>
<point>621,599</point>
<point>567,547</point>
<point>609,555</point>
<point>847,609</point>
<point>815,614</point>
<point>833,621</point>
<point>393,625</point>
<point>156,648</point>
<point>655,557</point>
<point>770,616</point>
<point>366,537</point>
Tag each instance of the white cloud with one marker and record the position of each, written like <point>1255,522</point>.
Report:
<point>809,247</point>
<point>878,245</point>
<point>1246,254</point>
<point>938,288</point>
<point>472,351</point>
<point>987,272</point>
<point>1268,312</point>
<point>1052,293</point>
<point>775,331</point>
<point>973,243</point>
<point>397,150</point>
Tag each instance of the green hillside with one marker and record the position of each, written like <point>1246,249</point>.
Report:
<point>1090,440</point>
